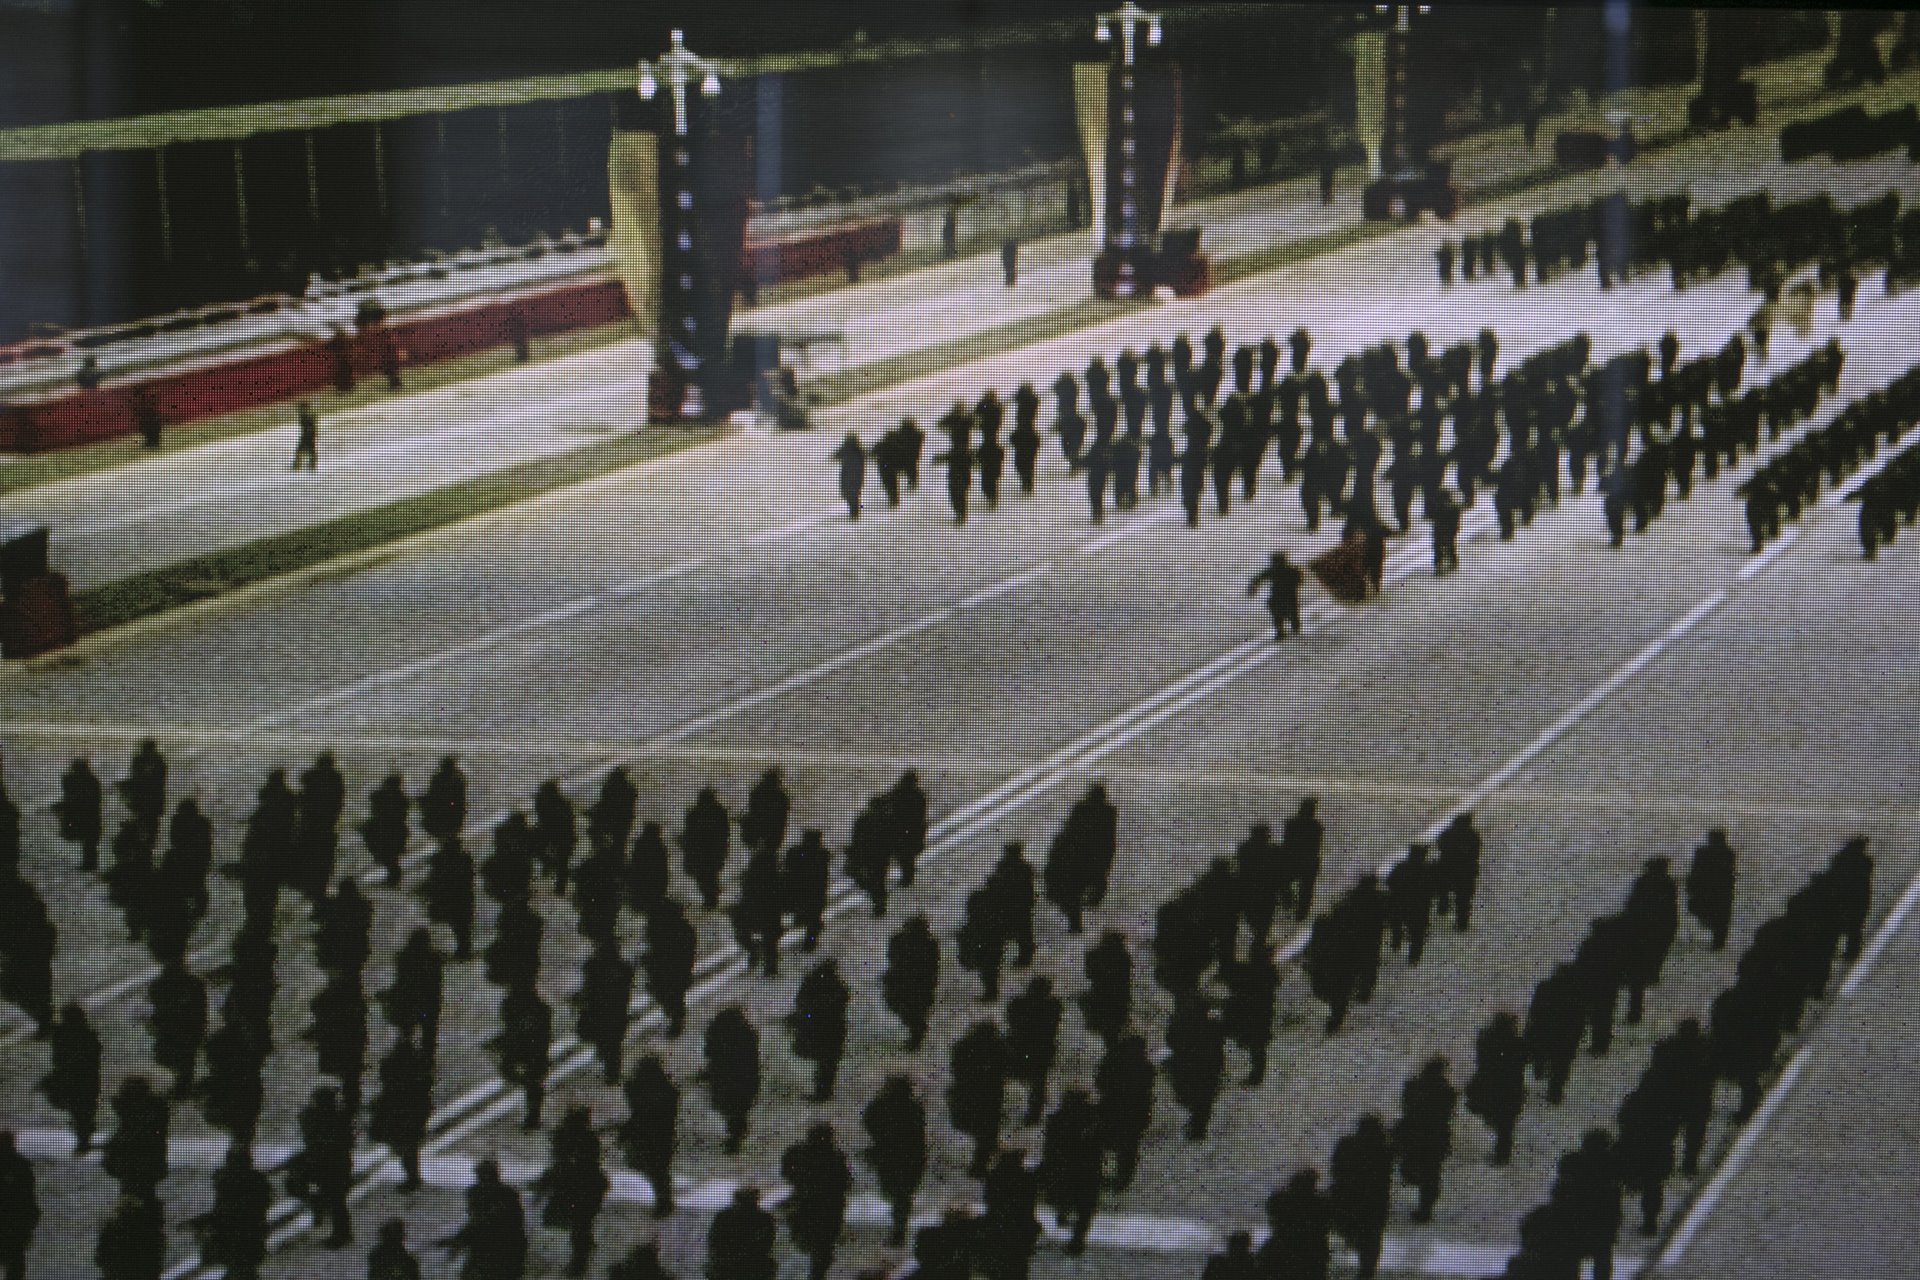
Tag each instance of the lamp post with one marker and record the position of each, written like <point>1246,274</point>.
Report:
<point>1396,149</point>
<point>680,71</point>
<point>1408,183</point>
<point>1123,235</point>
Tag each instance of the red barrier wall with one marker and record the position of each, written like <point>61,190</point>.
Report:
<point>77,417</point>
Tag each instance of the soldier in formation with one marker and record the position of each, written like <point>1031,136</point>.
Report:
<point>650,1133</point>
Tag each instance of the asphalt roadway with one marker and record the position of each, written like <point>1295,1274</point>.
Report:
<point>710,614</point>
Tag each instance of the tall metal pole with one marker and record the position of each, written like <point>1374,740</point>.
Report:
<point>1124,238</point>
<point>1397,150</point>
<point>679,71</point>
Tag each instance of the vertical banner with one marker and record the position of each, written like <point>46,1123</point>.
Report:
<point>1156,99</point>
<point>1090,109</point>
<point>1370,94</point>
<point>633,239</point>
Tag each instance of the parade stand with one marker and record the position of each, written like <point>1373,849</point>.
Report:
<point>1412,192</point>
<point>1177,265</point>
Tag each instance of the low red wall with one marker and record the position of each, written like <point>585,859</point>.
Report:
<point>77,417</point>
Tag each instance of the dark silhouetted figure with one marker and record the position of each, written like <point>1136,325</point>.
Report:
<point>412,1004</point>
<point>650,1132</point>
<point>1457,875</point>
<point>321,1172</point>
<point>1710,881</point>
<point>672,946</point>
<point>606,990</point>
<point>976,1092</point>
<point>494,1236</point>
<point>1196,1061</point>
<point>821,1180</point>
<point>732,1071</point>
<point>1300,842</point>
<point>1282,579</point>
<point>705,833</point>
<point>78,810</point>
<point>339,1034</point>
<point>648,870</point>
<point>740,1241</point>
<point>805,877</point>
<point>233,1234</point>
<point>72,1084</point>
<point>133,1239</point>
<point>896,1125</point>
<point>1248,1015</point>
<point>1033,1041</point>
<point>819,1023</point>
<point>1071,1163</point>
<point>1108,1000</point>
<point>135,1153</point>
<point>1587,1188</point>
<point>1124,1080</point>
<point>522,1046</point>
<point>758,915</point>
<point>1360,1189</point>
<point>573,1186</point>
<point>449,893</point>
<point>1423,1136</point>
<point>1497,1089</point>
<point>390,1259</point>
<point>20,1209</point>
<point>1008,1230</point>
<point>1299,1229</point>
<point>912,978</point>
<point>404,1105</point>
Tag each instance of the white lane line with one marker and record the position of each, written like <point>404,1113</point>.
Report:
<point>1870,954</point>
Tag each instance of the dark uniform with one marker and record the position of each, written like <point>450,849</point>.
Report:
<point>606,991</point>
<point>1410,887</point>
<point>1125,1080</point>
<point>135,1154</point>
<point>1033,1041</point>
<point>522,1046</point>
<point>1070,1166</point>
<point>732,1072</point>
<point>1008,1230</point>
<point>1248,1013</point>
<point>821,1180</point>
<point>704,836</point>
<point>819,1023</point>
<point>1497,1090</point>
<point>740,1241</point>
<point>852,457</point>
<point>556,833</point>
<point>650,1132</point>
<point>72,1085</point>
<point>133,1240</point>
<point>403,1106</point>
<point>385,829</point>
<point>79,812</point>
<point>233,1234</point>
<point>648,873</point>
<point>1196,1061</point>
<point>494,1238</point>
<point>339,1034</point>
<point>449,893</point>
<point>1423,1136</point>
<point>1360,1189</point>
<point>412,1004</point>
<point>896,1125</point>
<point>573,1186</point>
<point>1025,437</point>
<point>307,447</point>
<point>672,944</point>
<point>1299,1230</point>
<point>321,1172</point>
<point>390,1259</point>
<point>1587,1187</point>
<point>912,977</point>
<point>805,876</point>
<point>1458,869</point>
<point>758,915</point>
<point>1300,842</point>
<point>976,1092</point>
<point>19,1209</point>
<point>1283,581</point>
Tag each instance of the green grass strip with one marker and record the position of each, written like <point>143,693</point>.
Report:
<point>115,604</point>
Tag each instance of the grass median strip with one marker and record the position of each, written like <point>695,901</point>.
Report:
<point>115,604</point>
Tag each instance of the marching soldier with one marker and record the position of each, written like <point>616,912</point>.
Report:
<point>403,1106</point>
<point>959,459</point>
<point>1299,1229</point>
<point>1423,1136</point>
<point>1850,879</point>
<point>976,1091</point>
<point>232,1094</point>
<point>1070,1166</point>
<point>343,938</point>
<point>72,1085</point>
<point>980,944</point>
<point>804,880</point>
<point>390,1259</point>
<point>19,1208</point>
<point>135,1154</point>
<point>740,1241</point>
<point>1196,1061</point>
<point>1444,256</point>
<point>1682,1074</point>
<point>1644,1152</point>
<point>1556,1020</point>
<point>650,1132</point>
<point>339,1034</point>
<point>1653,913</point>
<point>443,805</point>
<point>507,872</point>
<point>1497,1090</point>
<point>1366,908</point>
<point>606,991</point>
<point>233,1234</point>
<point>1097,462</point>
<point>732,1073</point>
<point>1252,985</point>
<point>321,1172</point>
<point>648,874</point>
<point>1009,1232</point>
<point>763,825</point>
<point>79,812</point>
<point>1283,581</point>
<point>1033,1041</point>
<point>412,1003</point>
<point>494,1237</point>
<point>1458,870</point>
<point>896,1125</point>
<point>1108,1000</point>
<point>144,789</point>
<point>704,836</point>
<point>449,893</point>
<point>819,1023</point>
<point>758,915</point>
<point>610,816</point>
<point>133,1239</point>
<point>522,1047</point>
<point>1587,1187</point>
<point>556,832</point>
<point>821,1180</point>
<point>385,829</point>
<point>513,957</point>
<point>1360,1189</point>
<point>990,454</point>
<point>1025,437</point>
<point>1300,841</point>
<point>599,885</point>
<point>1125,1081</point>
<point>1410,902</point>
<point>672,944</point>
<point>1259,873</point>
<point>869,857</point>
<point>852,457</point>
<point>912,977</point>
<point>1443,514</point>
<point>573,1186</point>
<point>1329,965</point>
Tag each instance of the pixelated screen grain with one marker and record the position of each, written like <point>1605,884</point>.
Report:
<point>962,638</point>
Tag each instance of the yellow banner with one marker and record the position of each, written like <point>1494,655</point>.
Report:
<point>633,241</point>
<point>1090,108</point>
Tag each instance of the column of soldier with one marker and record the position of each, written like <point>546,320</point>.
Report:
<point>1629,237</point>
<point>1787,966</point>
<point>1791,478</point>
